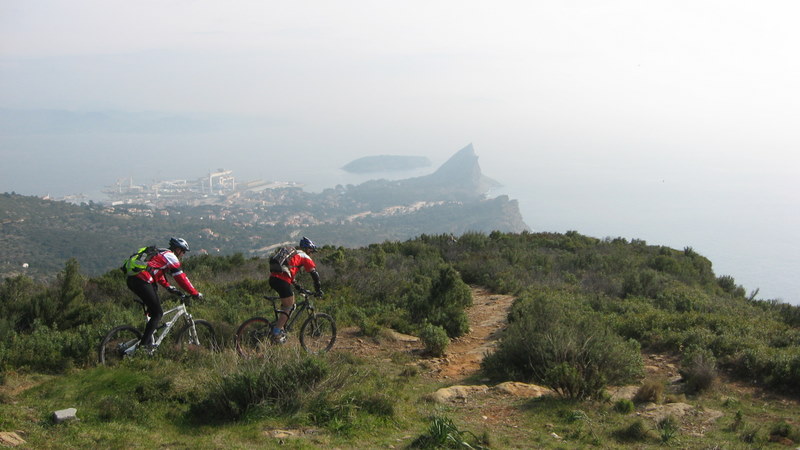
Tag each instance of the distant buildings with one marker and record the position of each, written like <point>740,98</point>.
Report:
<point>218,187</point>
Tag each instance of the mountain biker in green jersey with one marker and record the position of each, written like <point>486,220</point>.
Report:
<point>144,284</point>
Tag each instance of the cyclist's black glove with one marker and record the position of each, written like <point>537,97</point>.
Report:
<point>198,296</point>
<point>173,290</point>
<point>319,293</point>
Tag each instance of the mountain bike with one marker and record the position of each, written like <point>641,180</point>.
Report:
<point>317,333</point>
<point>123,341</point>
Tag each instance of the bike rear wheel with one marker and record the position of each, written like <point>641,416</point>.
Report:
<point>117,341</point>
<point>318,333</point>
<point>253,337</point>
<point>204,339</point>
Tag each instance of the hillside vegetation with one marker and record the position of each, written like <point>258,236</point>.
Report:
<point>586,309</point>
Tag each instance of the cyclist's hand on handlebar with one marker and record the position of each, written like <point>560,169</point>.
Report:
<point>319,293</point>
<point>198,296</point>
<point>174,291</point>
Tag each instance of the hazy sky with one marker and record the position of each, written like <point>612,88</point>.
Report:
<point>592,103</point>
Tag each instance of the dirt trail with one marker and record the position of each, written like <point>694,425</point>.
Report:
<point>487,317</point>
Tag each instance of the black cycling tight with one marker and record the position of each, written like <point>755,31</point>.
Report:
<point>147,292</point>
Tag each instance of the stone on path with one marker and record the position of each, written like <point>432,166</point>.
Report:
<point>451,393</point>
<point>63,415</point>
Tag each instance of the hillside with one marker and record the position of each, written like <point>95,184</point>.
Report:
<point>440,337</point>
<point>45,234</point>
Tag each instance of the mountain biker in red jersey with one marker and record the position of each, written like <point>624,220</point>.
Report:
<point>282,283</point>
<point>143,284</point>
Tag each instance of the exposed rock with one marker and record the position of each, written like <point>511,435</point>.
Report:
<point>659,412</point>
<point>399,337</point>
<point>10,439</point>
<point>624,392</point>
<point>64,415</point>
<point>525,390</point>
<point>286,434</point>
<point>454,393</point>
<point>283,434</point>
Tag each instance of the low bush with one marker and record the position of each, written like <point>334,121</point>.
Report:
<point>443,433</point>
<point>784,430</point>
<point>552,341</point>
<point>650,391</point>
<point>275,382</point>
<point>667,427</point>
<point>636,431</point>
<point>624,406</point>
<point>47,349</point>
<point>698,369</point>
<point>752,434</point>
<point>435,339</point>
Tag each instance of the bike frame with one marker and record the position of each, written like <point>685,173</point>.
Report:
<point>298,310</point>
<point>299,307</point>
<point>168,322</point>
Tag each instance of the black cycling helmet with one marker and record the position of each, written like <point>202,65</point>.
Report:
<point>306,244</point>
<point>178,243</point>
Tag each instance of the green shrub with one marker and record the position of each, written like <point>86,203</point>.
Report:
<point>435,339</point>
<point>650,391</point>
<point>667,427</point>
<point>698,369</point>
<point>367,324</point>
<point>338,415</point>
<point>624,406</point>
<point>275,382</point>
<point>738,421</point>
<point>752,434</point>
<point>440,300</point>
<point>552,341</point>
<point>443,433</point>
<point>636,431</point>
<point>785,430</point>
<point>42,349</point>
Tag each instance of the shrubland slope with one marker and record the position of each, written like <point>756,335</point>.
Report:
<point>588,316</point>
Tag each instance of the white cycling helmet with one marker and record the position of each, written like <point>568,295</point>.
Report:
<point>178,243</point>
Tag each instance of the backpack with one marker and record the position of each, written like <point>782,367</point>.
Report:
<point>138,261</point>
<point>279,261</point>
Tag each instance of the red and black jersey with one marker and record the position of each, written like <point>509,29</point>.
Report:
<point>161,264</point>
<point>295,262</point>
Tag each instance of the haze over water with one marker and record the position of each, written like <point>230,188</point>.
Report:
<point>672,122</point>
<point>744,227</point>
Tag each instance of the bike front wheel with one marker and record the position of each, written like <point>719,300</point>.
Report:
<point>119,340</point>
<point>253,337</point>
<point>318,333</point>
<point>199,337</point>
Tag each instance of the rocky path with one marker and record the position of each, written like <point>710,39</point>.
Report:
<point>487,318</point>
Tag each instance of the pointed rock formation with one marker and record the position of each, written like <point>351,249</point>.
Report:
<point>463,168</point>
<point>459,178</point>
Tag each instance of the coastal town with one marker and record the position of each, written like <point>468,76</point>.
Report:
<point>218,187</point>
<point>218,196</point>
